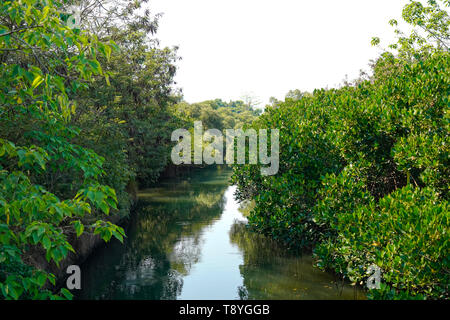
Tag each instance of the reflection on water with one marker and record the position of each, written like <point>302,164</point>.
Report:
<point>188,240</point>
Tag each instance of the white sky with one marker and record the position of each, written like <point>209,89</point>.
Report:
<point>266,48</point>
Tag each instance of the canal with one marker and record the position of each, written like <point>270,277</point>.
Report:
<point>188,240</point>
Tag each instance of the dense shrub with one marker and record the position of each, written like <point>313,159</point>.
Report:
<point>364,170</point>
<point>405,234</point>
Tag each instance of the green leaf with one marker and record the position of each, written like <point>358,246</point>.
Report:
<point>36,82</point>
<point>67,294</point>
<point>79,228</point>
<point>46,242</point>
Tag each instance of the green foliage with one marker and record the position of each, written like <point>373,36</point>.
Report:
<point>430,25</point>
<point>217,114</point>
<point>305,156</point>
<point>214,114</point>
<point>405,234</point>
<point>126,117</point>
<point>364,169</point>
<point>123,112</point>
<point>43,63</point>
<point>83,116</point>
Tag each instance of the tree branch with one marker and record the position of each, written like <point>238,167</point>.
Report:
<point>18,30</point>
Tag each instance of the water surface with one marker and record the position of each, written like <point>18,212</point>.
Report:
<point>188,240</point>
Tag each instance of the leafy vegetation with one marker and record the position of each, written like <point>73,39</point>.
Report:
<point>217,114</point>
<point>86,116</point>
<point>43,62</point>
<point>364,169</point>
<point>87,108</point>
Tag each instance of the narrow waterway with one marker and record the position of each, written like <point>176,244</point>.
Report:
<point>188,240</point>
